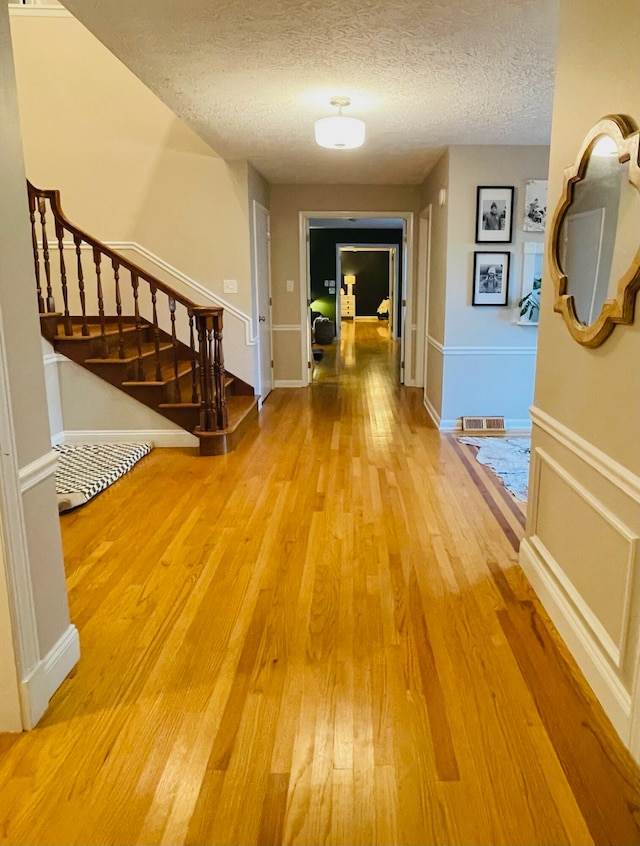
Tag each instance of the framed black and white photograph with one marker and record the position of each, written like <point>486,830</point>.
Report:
<point>490,279</point>
<point>494,215</point>
<point>535,205</point>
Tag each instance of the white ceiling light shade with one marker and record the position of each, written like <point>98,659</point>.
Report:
<point>339,132</point>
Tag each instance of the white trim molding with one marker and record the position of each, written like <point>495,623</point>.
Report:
<point>606,466</point>
<point>160,438</point>
<point>607,495</point>
<point>13,533</point>
<point>37,471</point>
<point>289,383</point>
<point>196,287</point>
<point>602,677</point>
<point>47,676</point>
<point>460,350</point>
<point>199,290</point>
<point>433,414</point>
<point>286,327</point>
<point>513,425</point>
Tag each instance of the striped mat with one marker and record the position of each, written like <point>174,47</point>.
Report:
<point>86,469</point>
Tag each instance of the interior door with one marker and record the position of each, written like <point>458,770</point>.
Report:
<point>262,265</point>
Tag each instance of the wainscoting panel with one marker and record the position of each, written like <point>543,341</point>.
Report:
<point>584,534</point>
<point>582,555</point>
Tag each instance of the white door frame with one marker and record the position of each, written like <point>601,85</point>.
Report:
<point>257,363</point>
<point>424,285</point>
<point>391,249</point>
<point>305,282</point>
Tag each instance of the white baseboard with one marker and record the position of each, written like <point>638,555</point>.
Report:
<point>433,414</point>
<point>513,426</point>
<point>604,681</point>
<point>156,437</point>
<point>288,383</point>
<point>47,676</point>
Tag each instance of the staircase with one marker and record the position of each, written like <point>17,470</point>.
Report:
<point>129,328</point>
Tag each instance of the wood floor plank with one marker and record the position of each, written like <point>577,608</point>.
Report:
<point>321,637</point>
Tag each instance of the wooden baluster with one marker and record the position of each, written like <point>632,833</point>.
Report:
<point>203,323</point>
<point>194,360</point>
<point>68,326</point>
<point>50,302</point>
<point>219,373</point>
<point>174,344</point>
<point>97,258</point>
<point>77,240</point>
<point>156,332</point>
<point>135,285</point>
<point>115,264</point>
<point>36,255</point>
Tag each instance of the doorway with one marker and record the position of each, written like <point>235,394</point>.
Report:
<point>355,229</point>
<point>374,283</point>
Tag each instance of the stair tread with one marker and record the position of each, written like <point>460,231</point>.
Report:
<point>148,350</point>
<point>95,331</point>
<point>235,402</point>
<point>167,373</point>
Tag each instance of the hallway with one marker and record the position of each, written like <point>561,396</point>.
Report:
<point>322,637</point>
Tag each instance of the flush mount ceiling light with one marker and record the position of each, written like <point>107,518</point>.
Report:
<point>339,132</point>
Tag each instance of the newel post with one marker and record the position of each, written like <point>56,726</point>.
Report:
<point>213,400</point>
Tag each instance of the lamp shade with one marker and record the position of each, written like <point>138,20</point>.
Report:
<point>339,133</point>
<point>349,280</point>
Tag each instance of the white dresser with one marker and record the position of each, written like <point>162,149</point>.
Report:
<point>347,306</point>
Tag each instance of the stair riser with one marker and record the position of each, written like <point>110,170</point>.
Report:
<point>187,418</point>
<point>154,394</point>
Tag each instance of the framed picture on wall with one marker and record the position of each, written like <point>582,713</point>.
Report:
<point>529,303</point>
<point>494,215</point>
<point>535,205</point>
<point>490,279</point>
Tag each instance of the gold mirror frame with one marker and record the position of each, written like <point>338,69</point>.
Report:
<point>620,309</point>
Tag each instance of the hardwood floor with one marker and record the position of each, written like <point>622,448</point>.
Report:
<point>322,637</point>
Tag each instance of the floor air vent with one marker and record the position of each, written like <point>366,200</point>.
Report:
<point>483,425</point>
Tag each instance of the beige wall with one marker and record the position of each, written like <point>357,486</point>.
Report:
<point>435,265</point>
<point>286,203</point>
<point>479,360</point>
<point>127,168</point>
<point>470,167</point>
<point>31,556</point>
<point>582,550</point>
<point>437,180</point>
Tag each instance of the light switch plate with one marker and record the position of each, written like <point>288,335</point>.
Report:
<point>289,285</point>
<point>230,286</point>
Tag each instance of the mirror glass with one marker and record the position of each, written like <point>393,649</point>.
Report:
<point>598,233</point>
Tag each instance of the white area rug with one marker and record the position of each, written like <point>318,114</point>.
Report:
<point>509,460</point>
<point>86,469</point>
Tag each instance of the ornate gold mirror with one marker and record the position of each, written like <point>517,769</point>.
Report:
<point>594,242</point>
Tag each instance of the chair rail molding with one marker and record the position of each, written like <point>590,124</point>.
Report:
<point>616,473</point>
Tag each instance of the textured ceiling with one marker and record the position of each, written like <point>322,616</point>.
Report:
<point>251,76</point>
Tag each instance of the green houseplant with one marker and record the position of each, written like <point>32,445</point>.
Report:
<point>529,305</point>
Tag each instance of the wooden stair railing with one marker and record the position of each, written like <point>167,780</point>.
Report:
<point>125,314</point>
